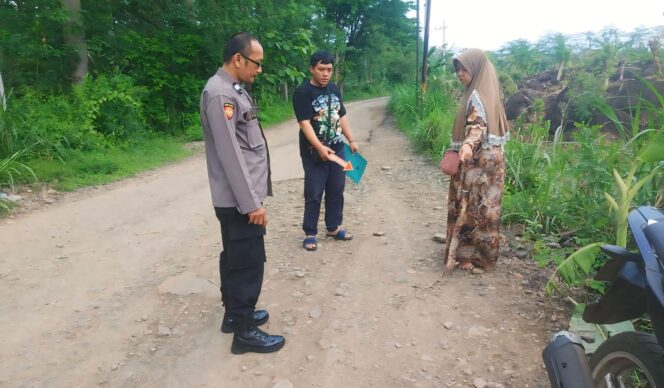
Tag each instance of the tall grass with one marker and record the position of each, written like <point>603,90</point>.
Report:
<point>11,169</point>
<point>553,187</point>
<point>429,122</point>
<point>85,168</point>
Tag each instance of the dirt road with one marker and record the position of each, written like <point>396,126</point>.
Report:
<point>118,286</point>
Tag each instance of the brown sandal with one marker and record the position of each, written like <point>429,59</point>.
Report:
<point>466,266</point>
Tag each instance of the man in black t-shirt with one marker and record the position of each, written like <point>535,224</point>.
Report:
<point>323,126</point>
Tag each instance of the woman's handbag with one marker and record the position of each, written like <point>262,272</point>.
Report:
<point>450,163</point>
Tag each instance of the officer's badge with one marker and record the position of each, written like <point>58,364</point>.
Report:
<point>229,110</point>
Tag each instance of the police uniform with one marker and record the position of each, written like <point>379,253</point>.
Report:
<point>238,168</point>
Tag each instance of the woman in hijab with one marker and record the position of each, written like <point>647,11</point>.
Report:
<point>479,135</point>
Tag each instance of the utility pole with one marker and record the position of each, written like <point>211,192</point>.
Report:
<point>417,57</point>
<point>425,59</point>
<point>444,29</point>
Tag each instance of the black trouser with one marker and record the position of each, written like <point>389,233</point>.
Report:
<point>241,263</point>
<point>323,177</point>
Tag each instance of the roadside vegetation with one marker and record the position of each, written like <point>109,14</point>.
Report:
<point>94,92</point>
<point>97,91</point>
<point>564,188</point>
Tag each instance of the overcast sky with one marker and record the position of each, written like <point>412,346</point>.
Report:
<point>489,24</point>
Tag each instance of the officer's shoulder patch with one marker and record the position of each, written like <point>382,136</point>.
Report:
<point>229,110</point>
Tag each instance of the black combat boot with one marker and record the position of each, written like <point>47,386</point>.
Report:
<point>229,323</point>
<point>249,338</point>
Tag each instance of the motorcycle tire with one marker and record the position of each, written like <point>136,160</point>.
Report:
<point>628,356</point>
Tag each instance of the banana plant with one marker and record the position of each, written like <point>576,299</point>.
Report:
<point>630,186</point>
<point>581,262</point>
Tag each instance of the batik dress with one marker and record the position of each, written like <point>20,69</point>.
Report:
<point>475,194</point>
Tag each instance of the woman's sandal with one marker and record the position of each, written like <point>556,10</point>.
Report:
<point>466,266</point>
<point>310,243</point>
<point>340,234</point>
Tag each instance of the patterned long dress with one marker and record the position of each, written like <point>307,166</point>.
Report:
<point>475,196</point>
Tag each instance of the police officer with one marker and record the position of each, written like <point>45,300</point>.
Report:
<point>239,174</point>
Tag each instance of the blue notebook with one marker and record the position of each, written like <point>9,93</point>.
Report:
<point>358,162</point>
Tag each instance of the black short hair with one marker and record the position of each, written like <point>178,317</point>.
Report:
<point>239,43</point>
<point>321,56</point>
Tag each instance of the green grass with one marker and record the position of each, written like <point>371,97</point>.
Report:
<point>98,167</point>
<point>275,112</point>
<point>77,168</point>
<point>429,126</point>
<point>352,93</point>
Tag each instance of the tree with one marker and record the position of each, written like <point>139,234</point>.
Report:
<point>2,93</point>
<point>32,47</point>
<point>520,59</point>
<point>371,38</point>
<point>561,53</point>
<point>75,37</point>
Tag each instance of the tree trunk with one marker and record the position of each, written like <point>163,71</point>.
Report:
<point>2,94</point>
<point>75,37</point>
<point>336,67</point>
<point>561,66</point>
<point>654,44</point>
<point>622,63</point>
<point>284,91</point>
<point>338,79</point>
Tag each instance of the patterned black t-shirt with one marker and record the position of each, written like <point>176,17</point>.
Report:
<point>323,107</point>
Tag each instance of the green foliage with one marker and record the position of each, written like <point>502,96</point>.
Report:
<point>586,95</point>
<point>545,253</point>
<point>192,127</point>
<point>12,168</point>
<point>363,91</point>
<point>554,186</point>
<point>32,46</point>
<point>169,48</point>
<point>575,267</point>
<point>518,59</point>
<point>113,106</point>
<point>429,127</point>
<point>95,115</point>
<point>84,168</point>
<point>578,264</point>
<point>45,126</point>
<point>275,110</point>
<point>6,207</point>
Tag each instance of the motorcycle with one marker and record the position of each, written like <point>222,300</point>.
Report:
<point>627,359</point>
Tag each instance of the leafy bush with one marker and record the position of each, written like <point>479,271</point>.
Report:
<point>95,115</point>
<point>586,94</point>
<point>112,106</point>
<point>46,126</point>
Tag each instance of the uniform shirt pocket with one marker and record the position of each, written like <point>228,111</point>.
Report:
<point>254,135</point>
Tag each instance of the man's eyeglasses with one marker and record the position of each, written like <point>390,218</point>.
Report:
<point>251,60</point>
